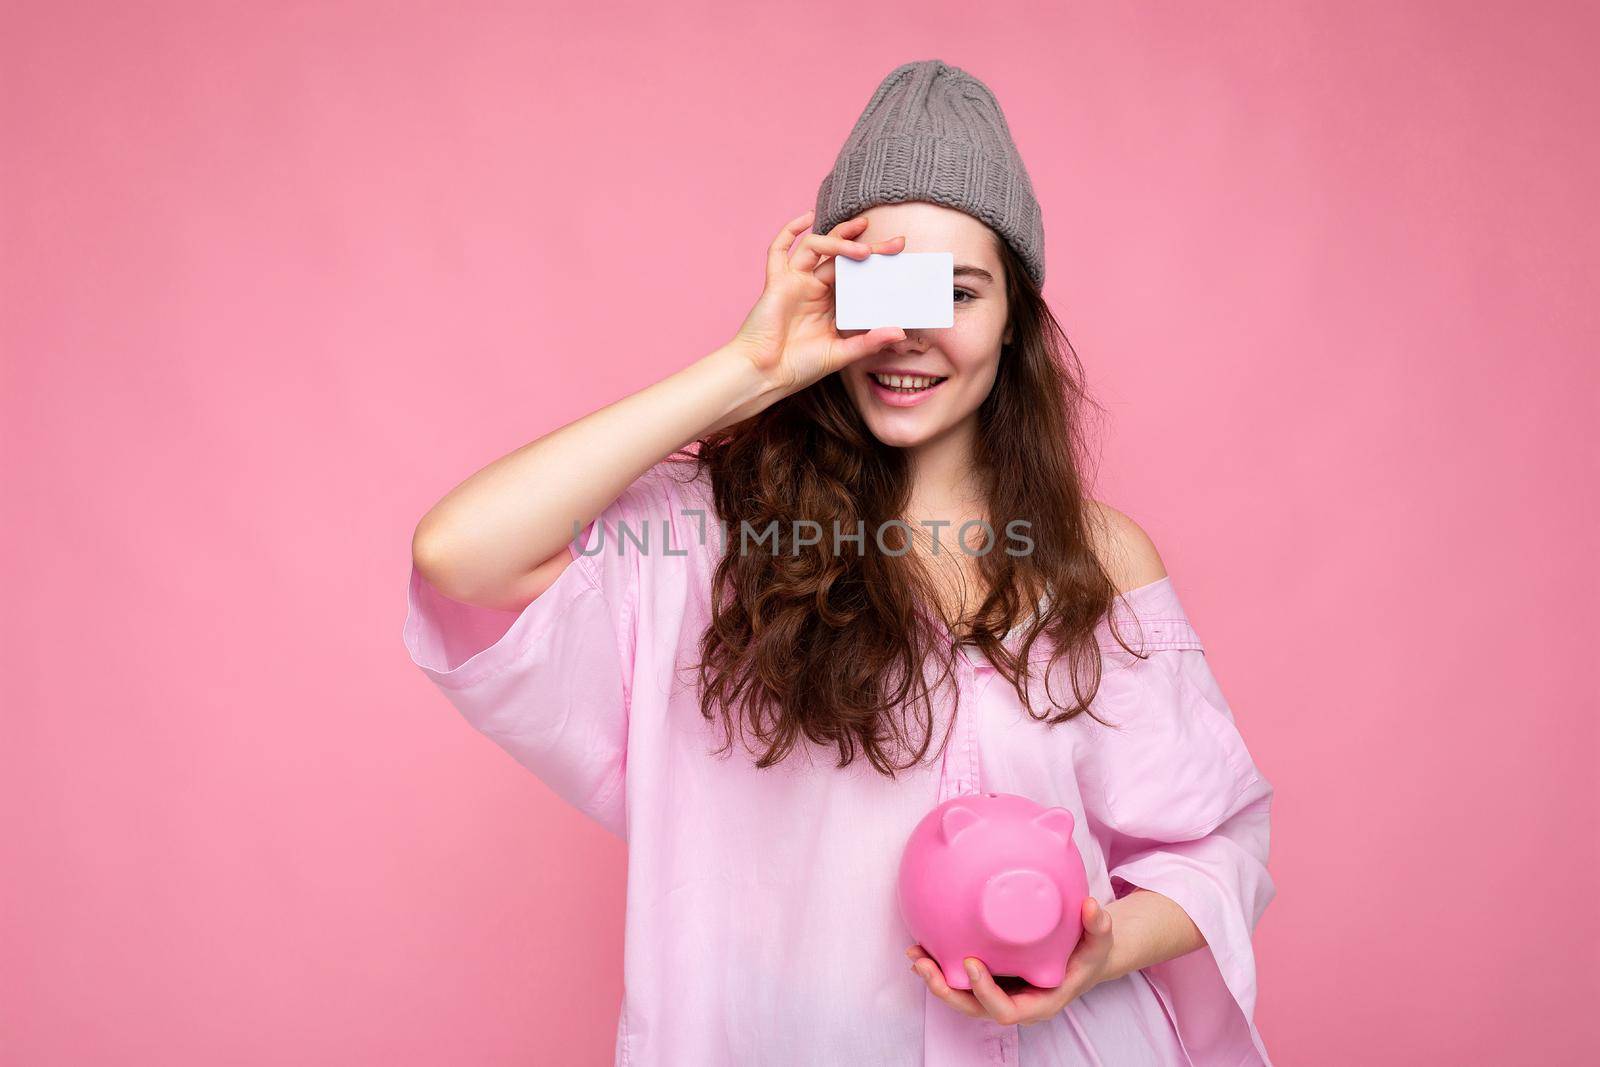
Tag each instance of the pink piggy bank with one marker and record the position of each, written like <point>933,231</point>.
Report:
<point>996,876</point>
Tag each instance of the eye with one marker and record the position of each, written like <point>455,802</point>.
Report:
<point>960,292</point>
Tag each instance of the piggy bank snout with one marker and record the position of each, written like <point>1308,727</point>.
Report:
<point>1020,906</point>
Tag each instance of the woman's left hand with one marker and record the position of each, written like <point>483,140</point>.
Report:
<point>1026,1004</point>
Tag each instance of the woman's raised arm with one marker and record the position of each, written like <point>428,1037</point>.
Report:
<point>500,538</point>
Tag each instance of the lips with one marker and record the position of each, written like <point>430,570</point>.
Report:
<point>903,390</point>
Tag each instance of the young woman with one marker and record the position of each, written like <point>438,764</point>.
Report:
<point>750,619</point>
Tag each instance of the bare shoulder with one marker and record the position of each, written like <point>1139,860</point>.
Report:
<point>1123,548</point>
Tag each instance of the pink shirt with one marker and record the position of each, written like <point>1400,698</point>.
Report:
<point>762,924</point>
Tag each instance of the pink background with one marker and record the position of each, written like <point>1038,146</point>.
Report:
<point>275,280</point>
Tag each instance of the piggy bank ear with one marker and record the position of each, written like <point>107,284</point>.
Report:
<point>957,818</point>
<point>1058,821</point>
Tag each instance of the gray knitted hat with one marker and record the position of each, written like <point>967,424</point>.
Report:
<point>934,132</point>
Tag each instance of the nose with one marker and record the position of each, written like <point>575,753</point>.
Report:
<point>1020,907</point>
<point>912,344</point>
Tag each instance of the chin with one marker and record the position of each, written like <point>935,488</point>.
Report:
<point>898,429</point>
<point>908,426</point>
<point>903,433</point>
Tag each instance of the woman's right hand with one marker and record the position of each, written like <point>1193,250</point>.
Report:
<point>789,334</point>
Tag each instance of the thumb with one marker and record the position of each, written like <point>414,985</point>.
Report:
<point>854,348</point>
<point>1096,919</point>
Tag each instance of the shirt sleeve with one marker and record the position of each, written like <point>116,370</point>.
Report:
<point>551,684</point>
<point>1180,808</point>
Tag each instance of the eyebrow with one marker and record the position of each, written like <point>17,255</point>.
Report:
<point>976,272</point>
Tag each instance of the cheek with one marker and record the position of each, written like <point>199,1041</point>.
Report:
<point>976,385</point>
<point>975,358</point>
<point>973,343</point>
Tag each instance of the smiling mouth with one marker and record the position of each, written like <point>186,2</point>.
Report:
<point>906,384</point>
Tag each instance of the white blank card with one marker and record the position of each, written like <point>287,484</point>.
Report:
<point>912,290</point>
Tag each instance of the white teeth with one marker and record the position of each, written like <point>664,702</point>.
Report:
<point>904,381</point>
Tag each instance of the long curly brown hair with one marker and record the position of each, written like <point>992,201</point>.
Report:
<point>834,647</point>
